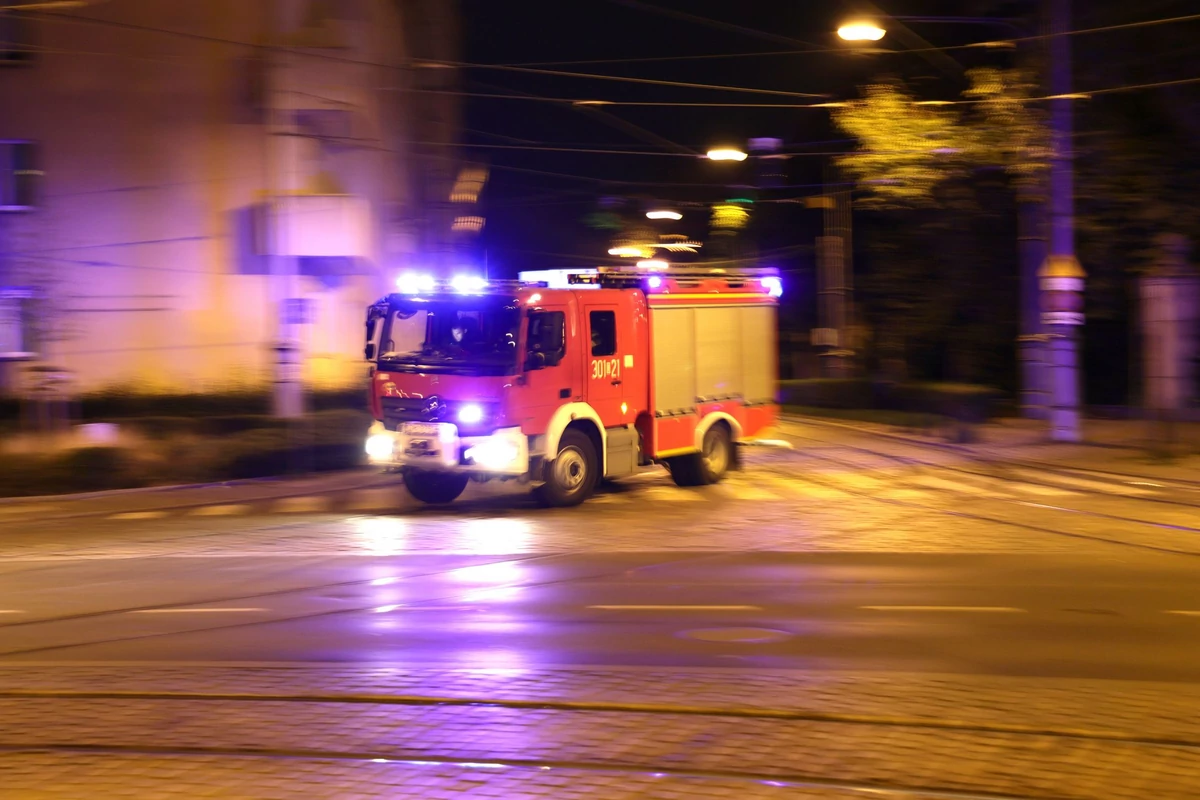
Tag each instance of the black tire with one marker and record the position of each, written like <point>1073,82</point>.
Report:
<point>435,488</point>
<point>711,464</point>
<point>716,456</point>
<point>683,470</point>
<point>574,473</point>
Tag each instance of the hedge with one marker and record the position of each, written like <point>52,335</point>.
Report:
<point>967,403</point>
<point>249,446</point>
<point>114,405</point>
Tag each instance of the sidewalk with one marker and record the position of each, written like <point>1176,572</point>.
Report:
<point>338,732</point>
<point>1109,445</point>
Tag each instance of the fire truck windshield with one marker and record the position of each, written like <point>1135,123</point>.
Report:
<point>469,336</point>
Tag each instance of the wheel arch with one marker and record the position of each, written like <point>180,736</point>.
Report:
<point>578,416</point>
<point>735,427</point>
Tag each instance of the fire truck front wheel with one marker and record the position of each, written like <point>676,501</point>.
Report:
<point>435,488</point>
<point>572,476</point>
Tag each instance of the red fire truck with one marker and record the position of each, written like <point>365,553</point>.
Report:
<point>567,377</point>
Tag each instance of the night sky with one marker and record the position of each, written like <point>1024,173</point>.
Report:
<point>536,220</point>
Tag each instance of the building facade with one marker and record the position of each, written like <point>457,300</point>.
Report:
<point>187,186</point>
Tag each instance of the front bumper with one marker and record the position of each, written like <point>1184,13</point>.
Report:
<point>438,447</point>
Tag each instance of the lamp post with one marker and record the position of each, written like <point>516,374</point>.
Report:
<point>1046,357</point>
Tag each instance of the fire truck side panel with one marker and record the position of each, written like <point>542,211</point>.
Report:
<point>759,356</point>
<point>714,360</point>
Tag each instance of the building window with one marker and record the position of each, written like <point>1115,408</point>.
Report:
<point>18,175</point>
<point>16,36</point>
<point>604,332</point>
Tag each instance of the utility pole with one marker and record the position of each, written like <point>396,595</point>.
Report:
<point>1061,275</point>
<point>835,279</point>
<point>288,394</point>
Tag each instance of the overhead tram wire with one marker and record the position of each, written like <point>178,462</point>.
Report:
<point>77,19</point>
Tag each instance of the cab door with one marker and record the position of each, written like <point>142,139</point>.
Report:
<point>603,362</point>
<point>550,376</point>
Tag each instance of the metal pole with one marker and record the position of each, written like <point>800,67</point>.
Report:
<point>288,397</point>
<point>1062,277</point>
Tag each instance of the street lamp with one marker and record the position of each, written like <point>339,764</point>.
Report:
<point>861,31</point>
<point>663,213</point>
<point>726,154</point>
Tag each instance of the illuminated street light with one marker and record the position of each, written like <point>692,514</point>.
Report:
<point>629,251</point>
<point>726,154</point>
<point>861,31</point>
<point>653,264</point>
<point>663,214</point>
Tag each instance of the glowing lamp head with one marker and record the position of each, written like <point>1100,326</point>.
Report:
<point>470,414</point>
<point>663,213</point>
<point>861,31</point>
<point>653,264</point>
<point>773,285</point>
<point>654,281</point>
<point>726,154</point>
<point>468,284</point>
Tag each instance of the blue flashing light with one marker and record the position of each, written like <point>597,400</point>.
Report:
<point>773,285</point>
<point>468,284</point>
<point>470,414</point>
<point>413,283</point>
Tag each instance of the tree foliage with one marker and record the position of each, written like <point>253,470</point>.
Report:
<point>908,148</point>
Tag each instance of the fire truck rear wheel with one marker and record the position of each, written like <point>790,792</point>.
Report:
<point>711,464</point>
<point>572,476</point>
<point>435,488</point>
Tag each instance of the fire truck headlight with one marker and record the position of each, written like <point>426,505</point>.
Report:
<point>470,414</point>
<point>773,285</point>
<point>380,446</point>
<point>496,454</point>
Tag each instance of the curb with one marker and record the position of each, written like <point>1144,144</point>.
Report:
<point>140,490</point>
<point>885,432</point>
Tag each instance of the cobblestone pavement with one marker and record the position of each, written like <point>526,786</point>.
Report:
<point>151,730</point>
<point>263,733</point>
<point>825,498</point>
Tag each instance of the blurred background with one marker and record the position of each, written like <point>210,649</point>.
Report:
<point>200,199</point>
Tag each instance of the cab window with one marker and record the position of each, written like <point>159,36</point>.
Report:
<point>604,332</point>
<point>546,340</point>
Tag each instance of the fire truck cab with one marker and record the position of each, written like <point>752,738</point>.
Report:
<point>568,377</point>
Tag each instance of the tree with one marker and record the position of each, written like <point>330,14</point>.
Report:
<point>940,183</point>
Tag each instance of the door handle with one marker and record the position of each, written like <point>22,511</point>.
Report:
<point>616,382</point>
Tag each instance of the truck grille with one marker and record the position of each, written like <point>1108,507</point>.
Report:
<point>411,409</point>
<point>433,409</point>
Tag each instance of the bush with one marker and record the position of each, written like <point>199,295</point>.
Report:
<point>159,427</point>
<point>227,424</point>
<point>828,393</point>
<point>966,403</point>
<point>110,405</point>
<point>10,409</point>
<point>90,469</point>
<point>963,402</point>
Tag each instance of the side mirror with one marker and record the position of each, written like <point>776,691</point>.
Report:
<point>535,361</point>
<point>369,351</point>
